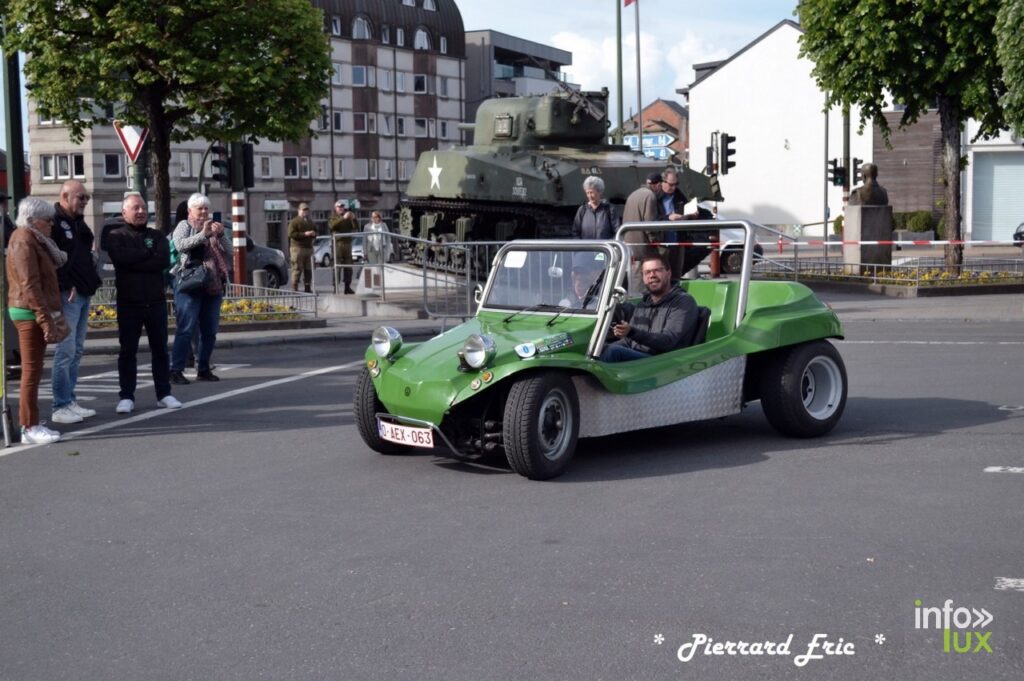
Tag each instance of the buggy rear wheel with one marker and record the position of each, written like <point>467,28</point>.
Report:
<point>803,389</point>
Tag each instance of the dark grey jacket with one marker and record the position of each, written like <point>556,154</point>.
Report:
<point>662,326</point>
<point>595,223</point>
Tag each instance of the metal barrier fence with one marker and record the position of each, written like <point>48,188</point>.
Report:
<point>927,271</point>
<point>240,303</point>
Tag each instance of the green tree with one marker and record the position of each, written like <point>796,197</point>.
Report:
<point>1010,50</point>
<point>923,54</point>
<point>215,69</point>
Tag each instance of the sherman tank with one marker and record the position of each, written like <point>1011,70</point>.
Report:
<point>522,177</point>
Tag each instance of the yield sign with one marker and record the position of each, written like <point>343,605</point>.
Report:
<point>132,139</point>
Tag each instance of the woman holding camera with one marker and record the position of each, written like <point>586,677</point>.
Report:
<point>199,240</point>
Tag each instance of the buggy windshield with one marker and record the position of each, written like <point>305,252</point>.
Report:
<point>548,278</point>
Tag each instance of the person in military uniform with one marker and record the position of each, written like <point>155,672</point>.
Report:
<point>301,233</point>
<point>343,222</point>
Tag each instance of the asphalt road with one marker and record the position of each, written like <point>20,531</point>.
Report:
<point>252,535</point>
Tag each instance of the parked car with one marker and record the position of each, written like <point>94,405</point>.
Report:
<point>731,245</point>
<point>523,377</point>
<point>256,257</point>
<point>323,251</point>
<point>1018,236</point>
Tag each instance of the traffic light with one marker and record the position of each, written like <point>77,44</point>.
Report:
<point>836,173</point>
<point>856,177</point>
<point>221,164</point>
<point>248,166</point>
<point>242,174</point>
<point>725,150</point>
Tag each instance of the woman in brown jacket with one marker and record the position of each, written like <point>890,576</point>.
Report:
<point>34,305</point>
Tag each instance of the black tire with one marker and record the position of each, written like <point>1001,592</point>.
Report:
<point>732,261</point>
<point>365,407</point>
<point>274,278</point>
<point>326,260</point>
<point>541,425</point>
<point>803,389</point>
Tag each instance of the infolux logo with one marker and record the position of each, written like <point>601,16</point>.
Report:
<point>954,622</point>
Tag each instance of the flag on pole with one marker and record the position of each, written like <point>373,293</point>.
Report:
<point>629,2</point>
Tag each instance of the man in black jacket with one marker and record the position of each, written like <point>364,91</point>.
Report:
<point>140,255</point>
<point>664,320</point>
<point>78,280</point>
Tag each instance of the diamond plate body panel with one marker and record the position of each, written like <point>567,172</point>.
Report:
<point>712,393</point>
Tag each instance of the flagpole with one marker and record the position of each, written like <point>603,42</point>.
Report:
<point>618,56</point>
<point>639,105</point>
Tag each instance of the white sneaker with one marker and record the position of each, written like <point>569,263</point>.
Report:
<point>168,402</point>
<point>37,435</point>
<point>84,412</point>
<point>125,406</point>
<point>47,430</point>
<point>66,415</point>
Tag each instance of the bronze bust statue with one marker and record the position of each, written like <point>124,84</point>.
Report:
<point>870,193</point>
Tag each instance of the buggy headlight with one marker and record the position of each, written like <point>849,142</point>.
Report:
<point>477,351</point>
<point>386,341</point>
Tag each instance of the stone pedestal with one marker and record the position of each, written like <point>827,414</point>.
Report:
<point>866,223</point>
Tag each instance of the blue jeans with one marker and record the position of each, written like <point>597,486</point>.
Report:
<point>67,355</point>
<point>191,311</point>
<point>620,353</point>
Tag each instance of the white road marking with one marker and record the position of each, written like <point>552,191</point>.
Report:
<point>1009,584</point>
<point>155,413</point>
<point>107,382</point>
<point>1005,469</point>
<point>925,342</point>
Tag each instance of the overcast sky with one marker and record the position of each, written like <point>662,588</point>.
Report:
<point>674,35</point>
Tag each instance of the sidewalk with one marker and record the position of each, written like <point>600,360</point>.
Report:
<point>339,328</point>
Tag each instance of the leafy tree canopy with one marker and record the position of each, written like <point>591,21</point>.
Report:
<point>1010,48</point>
<point>209,68</point>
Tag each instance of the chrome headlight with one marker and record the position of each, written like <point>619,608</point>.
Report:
<point>386,341</point>
<point>477,351</point>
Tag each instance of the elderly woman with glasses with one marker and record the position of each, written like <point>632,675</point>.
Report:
<point>596,218</point>
<point>34,305</point>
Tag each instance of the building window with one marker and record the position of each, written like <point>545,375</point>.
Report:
<point>399,81</point>
<point>429,5</point>
<point>409,3</point>
<point>443,43</point>
<point>373,169</point>
<point>361,170</point>
<point>325,119</point>
<point>419,84</point>
<point>403,172</point>
<point>45,119</point>
<point>336,75</point>
<point>385,34</point>
<point>321,168</point>
<point>443,129</point>
<point>77,165</point>
<point>421,40</point>
<point>46,167</point>
<point>384,79</point>
<point>185,165</point>
<point>431,129</point>
<point>387,125</point>
<point>265,167</point>
<point>361,29</point>
<point>358,122</point>
<point>335,25</point>
<point>419,127</point>
<point>386,170</point>
<point>291,167</point>
<point>63,167</point>
<point>401,126</point>
<point>400,37</point>
<point>338,122</point>
<point>304,167</point>
<point>442,86</point>
<point>358,76</point>
<point>112,165</point>
<point>339,168</point>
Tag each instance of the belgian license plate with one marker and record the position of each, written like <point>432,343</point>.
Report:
<point>406,435</point>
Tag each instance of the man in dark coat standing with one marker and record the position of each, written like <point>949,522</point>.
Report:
<point>140,256</point>
<point>78,281</point>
